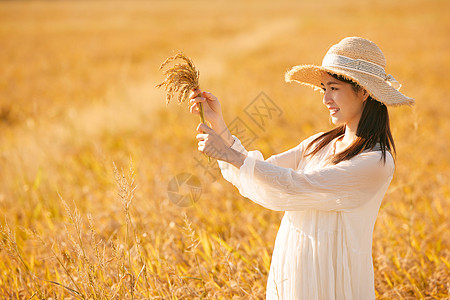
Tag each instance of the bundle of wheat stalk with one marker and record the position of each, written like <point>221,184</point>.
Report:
<point>181,78</point>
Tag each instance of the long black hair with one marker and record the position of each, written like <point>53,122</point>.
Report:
<point>373,128</point>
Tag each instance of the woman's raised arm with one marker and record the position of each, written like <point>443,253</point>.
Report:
<point>346,185</point>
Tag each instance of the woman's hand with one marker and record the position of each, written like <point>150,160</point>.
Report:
<point>212,110</point>
<point>212,144</point>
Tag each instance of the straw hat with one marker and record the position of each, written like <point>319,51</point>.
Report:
<point>359,60</point>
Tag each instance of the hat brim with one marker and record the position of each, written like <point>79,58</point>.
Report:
<point>311,75</point>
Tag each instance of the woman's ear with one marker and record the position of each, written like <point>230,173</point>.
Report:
<point>364,94</point>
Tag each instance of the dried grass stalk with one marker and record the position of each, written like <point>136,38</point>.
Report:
<point>180,79</point>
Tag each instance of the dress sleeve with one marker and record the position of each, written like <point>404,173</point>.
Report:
<point>288,159</point>
<point>346,185</point>
<point>230,172</point>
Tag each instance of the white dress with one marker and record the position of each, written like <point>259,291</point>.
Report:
<point>323,249</point>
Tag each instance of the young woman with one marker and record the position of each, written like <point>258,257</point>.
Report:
<point>331,185</point>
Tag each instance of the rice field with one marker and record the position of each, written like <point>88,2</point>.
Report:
<point>89,151</point>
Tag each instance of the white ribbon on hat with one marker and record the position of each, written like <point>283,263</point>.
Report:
<point>360,65</point>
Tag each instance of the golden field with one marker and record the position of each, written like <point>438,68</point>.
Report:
<point>88,146</point>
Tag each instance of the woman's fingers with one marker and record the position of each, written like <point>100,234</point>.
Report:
<point>194,104</point>
<point>201,136</point>
<point>201,98</point>
<point>195,93</point>
<point>194,109</point>
<point>196,100</point>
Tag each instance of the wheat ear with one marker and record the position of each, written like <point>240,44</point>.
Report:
<point>181,78</point>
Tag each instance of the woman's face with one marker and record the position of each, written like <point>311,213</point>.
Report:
<point>345,105</point>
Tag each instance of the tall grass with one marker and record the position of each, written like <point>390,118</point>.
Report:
<point>77,93</point>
